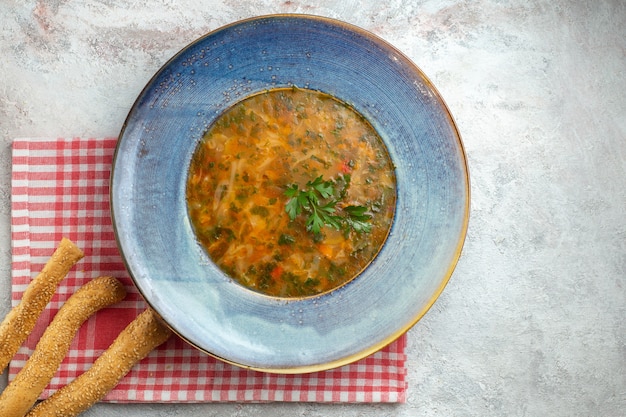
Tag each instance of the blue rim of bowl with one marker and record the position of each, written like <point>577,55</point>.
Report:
<point>368,350</point>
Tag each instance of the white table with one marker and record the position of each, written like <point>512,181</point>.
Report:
<point>533,321</point>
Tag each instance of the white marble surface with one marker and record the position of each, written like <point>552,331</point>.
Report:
<point>533,320</point>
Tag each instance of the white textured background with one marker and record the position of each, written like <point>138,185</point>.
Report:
<point>533,322</point>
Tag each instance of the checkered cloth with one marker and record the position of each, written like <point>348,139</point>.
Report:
<point>60,188</point>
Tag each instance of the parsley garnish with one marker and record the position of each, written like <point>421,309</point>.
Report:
<point>318,201</point>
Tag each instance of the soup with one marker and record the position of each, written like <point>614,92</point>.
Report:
<point>291,192</point>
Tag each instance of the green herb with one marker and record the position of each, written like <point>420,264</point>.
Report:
<point>260,211</point>
<point>318,201</point>
<point>357,219</point>
<point>286,239</point>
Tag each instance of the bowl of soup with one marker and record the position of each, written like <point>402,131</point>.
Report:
<point>290,193</point>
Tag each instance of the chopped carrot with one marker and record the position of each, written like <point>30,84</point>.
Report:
<point>326,250</point>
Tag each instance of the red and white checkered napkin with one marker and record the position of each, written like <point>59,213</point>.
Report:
<point>60,189</point>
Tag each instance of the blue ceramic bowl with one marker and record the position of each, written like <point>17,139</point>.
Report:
<point>172,270</point>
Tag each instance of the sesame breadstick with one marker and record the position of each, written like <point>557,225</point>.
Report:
<point>20,321</point>
<point>134,343</point>
<point>20,395</point>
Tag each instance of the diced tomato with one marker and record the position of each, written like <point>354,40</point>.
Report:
<point>277,272</point>
<point>344,167</point>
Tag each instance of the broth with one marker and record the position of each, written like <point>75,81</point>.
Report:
<point>291,192</point>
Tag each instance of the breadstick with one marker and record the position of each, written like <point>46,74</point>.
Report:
<point>134,343</point>
<point>20,321</point>
<point>20,395</point>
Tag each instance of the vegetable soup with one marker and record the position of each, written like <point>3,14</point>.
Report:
<point>291,192</point>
